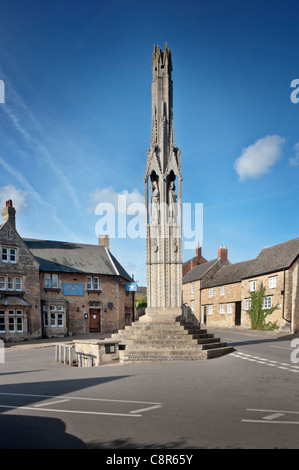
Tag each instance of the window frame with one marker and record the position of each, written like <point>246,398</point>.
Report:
<point>272,282</point>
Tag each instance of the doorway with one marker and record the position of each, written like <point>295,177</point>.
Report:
<point>238,314</point>
<point>204,315</point>
<point>95,320</point>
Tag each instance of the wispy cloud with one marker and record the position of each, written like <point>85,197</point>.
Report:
<point>294,161</point>
<point>26,124</point>
<point>36,197</point>
<point>19,197</point>
<point>257,159</point>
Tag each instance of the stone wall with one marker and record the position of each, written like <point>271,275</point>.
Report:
<point>111,302</point>
<point>26,299</point>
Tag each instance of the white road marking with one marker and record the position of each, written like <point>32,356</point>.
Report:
<point>271,418</point>
<point>52,403</point>
<point>31,408</point>
<point>280,347</point>
<point>274,416</point>
<point>146,409</point>
<point>80,398</point>
<point>267,362</point>
<point>60,399</point>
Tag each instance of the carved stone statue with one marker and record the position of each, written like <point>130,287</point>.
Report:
<point>172,198</point>
<point>155,201</point>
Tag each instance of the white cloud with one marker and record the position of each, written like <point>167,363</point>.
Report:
<point>18,197</point>
<point>258,158</point>
<point>109,195</point>
<point>294,161</point>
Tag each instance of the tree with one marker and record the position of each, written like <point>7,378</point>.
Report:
<point>258,314</point>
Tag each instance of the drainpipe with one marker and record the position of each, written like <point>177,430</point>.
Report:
<point>284,293</point>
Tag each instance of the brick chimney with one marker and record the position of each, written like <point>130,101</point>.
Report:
<point>9,213</point>
<point>103,240</point>
<point>222,253</point>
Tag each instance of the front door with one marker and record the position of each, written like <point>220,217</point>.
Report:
<point>95,320</point>
<point>238,314</point>
<point>204,315</point>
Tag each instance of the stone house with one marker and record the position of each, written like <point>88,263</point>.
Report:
<point>51,289</point>
<point>225,297</point>
<point>192,283</point>
<point>19,283</point>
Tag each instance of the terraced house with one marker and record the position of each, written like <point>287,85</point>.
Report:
<point>51,288</point>
<point>225,297</point>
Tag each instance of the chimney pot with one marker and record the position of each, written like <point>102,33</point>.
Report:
<point>9,213</point>
<point>222,253</point>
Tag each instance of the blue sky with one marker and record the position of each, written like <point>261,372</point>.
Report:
<point>76,122</point>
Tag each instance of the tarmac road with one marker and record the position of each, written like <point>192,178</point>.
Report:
<point>248,399</point>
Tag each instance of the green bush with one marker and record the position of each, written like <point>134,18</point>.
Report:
<point>258,314</point>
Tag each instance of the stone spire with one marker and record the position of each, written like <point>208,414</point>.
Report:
<point>163,196</point>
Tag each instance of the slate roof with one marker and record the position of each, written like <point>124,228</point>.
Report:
<point>198,271</point>
<point>275,258</point>
<point>75,258</point>
<point>229,273</point>
<point>272,259</point>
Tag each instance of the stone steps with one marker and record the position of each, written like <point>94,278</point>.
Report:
<point>166,341</point>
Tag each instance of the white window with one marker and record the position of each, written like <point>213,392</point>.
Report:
<point>247,304</point>
<point>210,309</point>
<point>211,292</point>
<point>15,321</point>
<point>9,255</point>
<point>18,281</point>
<point>89,283</point>
<point>13,255</point>
<point>55,317</point>
<point>192,287</point>
<point>51,281</point>
<point>96,283</point>
<point>229,308</point>
<point>267,302</point>
<point>222,290</point>
<point>47,281</point>
<point>252,286</point>
<point>2,282</point>
<point>93,283</point>
<point>4,255</point>
<point>192,307</point>
<point>2,321</point>
<point>54,281</point>
<point>222,308</point>
<point>272,282</point>
<point>10,283</point>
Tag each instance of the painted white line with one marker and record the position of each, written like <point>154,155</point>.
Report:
<point>274,416</point>
<point>271,422</point>
<point>51,403</point>
<point>279,347</point>
<point>274,411</point>
<point>146,409</point>
<point>79,398</point>
<point>266,362</point>
<point>31,408</point>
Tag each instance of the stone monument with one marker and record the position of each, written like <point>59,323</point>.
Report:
<point>163,199</point>
<point>163,334</point>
